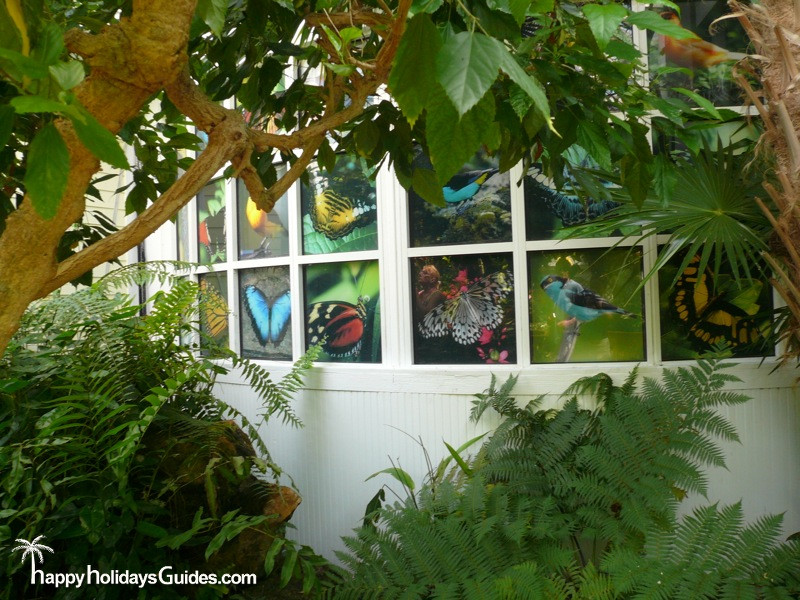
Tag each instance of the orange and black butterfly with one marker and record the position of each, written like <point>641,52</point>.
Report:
<point>715,315</point>
<point>338,325</point>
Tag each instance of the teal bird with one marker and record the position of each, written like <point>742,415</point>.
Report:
<point>465,185</point>
<point>579,303</point>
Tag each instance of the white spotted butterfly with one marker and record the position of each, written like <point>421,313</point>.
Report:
<point>466,314</point>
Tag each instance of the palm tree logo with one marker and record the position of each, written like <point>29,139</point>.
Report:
<point>33,548</point>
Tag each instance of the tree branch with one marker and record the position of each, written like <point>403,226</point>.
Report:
<point>225,142</point>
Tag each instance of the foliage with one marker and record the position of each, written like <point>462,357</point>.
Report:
<point>707,208</point>
<point>108,423</point>
<point>516,78</point>
<point>580,503</point>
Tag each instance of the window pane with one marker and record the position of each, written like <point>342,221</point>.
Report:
<point>211,223</point>
<point>703,66</point>
<point>265,311</point>
<point>214,313</point>
<point>478,207</point>
<point>463,310</point>
<point>339,209</point>
<point>343,310</point>
<point>584,306</point>
<point>261,234</point>
<point>548,210</point>
<point>700,311</point>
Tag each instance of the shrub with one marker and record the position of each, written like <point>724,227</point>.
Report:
<point>579,503</point>
<point>114,447</point>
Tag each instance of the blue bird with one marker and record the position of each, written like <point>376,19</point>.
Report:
<point>579,303</point>
<point>465,185</point>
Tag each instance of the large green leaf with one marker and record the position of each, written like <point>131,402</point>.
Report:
<point>413,74</point>
<point>67,74</point>
<point>49,44</point>
<point>6,124</point>
<point>651,20</point>
<point>453,141</point>
<point>213,14</point>
<point>99,140</point>
<point>604,20</point>
<point>466,66</point>
<point>529,84</point>
<point>34,104</point>
<point>47,171</point>
<point>427,187</point>
<point>516,8</point>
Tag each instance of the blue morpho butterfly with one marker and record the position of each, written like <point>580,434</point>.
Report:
<point>270,319</point>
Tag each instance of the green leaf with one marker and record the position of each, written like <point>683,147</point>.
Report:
<point>366,136</point>
<point>453,141</point>
<point>47,171</point>
<point>593,139</point>
<point>425,6</point>
<point>343,70</point>
<point>651,20</point>
<point>636,178</point>
<point>426,186</point>
<point>99,140</point>
<point>49,45</point>
<point>348,34</point>
<point>34,104</point>
<point>542,6</point>
<point>528,83</point>
<point>413,74</point>
<point>288,567</point>
<point>398,474</point>
<point>212,12</point>
<point>151,529</point>
<point>516,8</point>
<point>6,124</point>
<point>68,74</point>
<point>604,21</point>
<point>272,554</point>
<point>700,101</point>
<point>466,66</point>
<point>10,38</point>
<point>460,461</point>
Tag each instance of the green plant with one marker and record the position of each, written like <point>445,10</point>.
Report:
<point>114,446</point>
<point>580,503</point>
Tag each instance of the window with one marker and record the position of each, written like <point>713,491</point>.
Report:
<point>375,274</point>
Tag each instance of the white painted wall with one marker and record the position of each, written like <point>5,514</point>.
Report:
<point>355,419</point>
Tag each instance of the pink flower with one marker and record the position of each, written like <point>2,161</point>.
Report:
<point>486,336</point>
<point>496,357</point>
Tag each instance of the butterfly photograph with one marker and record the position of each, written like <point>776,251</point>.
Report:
<point>477,206</point>
<point>549,210</point>
<point>703,311</point>
<point>213,309</point>
<point>343,311</point>
<point>265,313</point>
<point>591,293</point>
<point>339,208</point>
<point>211,243</point>
<point>463,309</point>
<point>701,65</point>
<point>261,234</point>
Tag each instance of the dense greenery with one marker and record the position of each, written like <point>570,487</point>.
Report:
<point>579,503</point>
<point>114,447</point>
<point>525,80</point>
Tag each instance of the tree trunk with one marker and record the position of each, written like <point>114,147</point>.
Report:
<point>774,29</point>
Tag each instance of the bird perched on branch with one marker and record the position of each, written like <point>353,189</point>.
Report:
<point>579,303</point>
<point>693,53</point>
